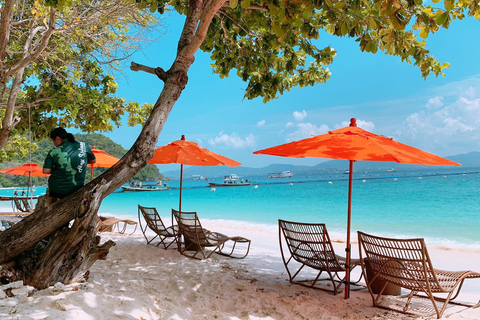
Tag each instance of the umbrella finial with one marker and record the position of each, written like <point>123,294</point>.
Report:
<point>353,122</point>
<point>183,137</point>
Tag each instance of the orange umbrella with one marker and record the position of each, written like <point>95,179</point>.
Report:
<point>28,169</point>
<point>103,160</point>
<point>352,143</point>
<point>189,153</point>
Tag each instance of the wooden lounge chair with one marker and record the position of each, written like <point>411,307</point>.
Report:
<point>309,245</point>
<point>196,239</point>
<point>406,263</point>
<point>166,236</point>
<point>110,224</point>
<point>22,205</point>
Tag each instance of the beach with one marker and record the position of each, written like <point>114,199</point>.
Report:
<point>140,281</point>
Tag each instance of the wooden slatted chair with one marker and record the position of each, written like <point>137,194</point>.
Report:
<point>166,236</point>
<point>406,263</point>
<point>309,244</point>
<point>196,239</point>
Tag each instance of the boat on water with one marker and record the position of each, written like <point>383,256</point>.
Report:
<point>146,187</point>
<point>283,174</point>
<point>230,181</point>
<point>197,177</point>
<point>391,170</point>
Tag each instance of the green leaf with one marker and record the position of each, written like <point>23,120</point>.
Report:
<point>449,4</point>
<point>424,33</point>
<point>339,5</point>
<point>245,4</point>
<point>441,19</point>
<point>233,3</point>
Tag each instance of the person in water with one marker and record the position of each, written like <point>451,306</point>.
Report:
<point>66,164</point>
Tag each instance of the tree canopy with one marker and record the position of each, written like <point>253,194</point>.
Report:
<point>56,62</point>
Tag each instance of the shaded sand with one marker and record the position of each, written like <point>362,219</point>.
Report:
<point>140,281</point>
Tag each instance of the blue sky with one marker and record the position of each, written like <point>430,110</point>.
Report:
<point>439,115</point>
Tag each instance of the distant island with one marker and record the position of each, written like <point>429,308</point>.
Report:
<point>469,160</point>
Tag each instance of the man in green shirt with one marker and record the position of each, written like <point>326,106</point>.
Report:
<point>67,164</point>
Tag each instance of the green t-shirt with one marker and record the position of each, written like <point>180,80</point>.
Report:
<point>68,162</point>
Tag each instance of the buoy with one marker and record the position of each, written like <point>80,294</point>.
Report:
<point>394,179</point>
<point>290,184</point>
<point>213,190</point>
<point>255,187</point>
<point>419,178</point>
<point>329,182</point>
<point>444,176</point>
<point>364,181</point>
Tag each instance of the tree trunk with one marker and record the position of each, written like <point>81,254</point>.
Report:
<point>39,249</point>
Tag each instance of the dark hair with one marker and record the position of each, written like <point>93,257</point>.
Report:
<point>62,133</point>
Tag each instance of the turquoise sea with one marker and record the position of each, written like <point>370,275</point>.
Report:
<point>442,207</point>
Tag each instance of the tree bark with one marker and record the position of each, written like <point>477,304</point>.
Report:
<point>69,252</point>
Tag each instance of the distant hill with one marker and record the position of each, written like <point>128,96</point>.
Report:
<point>149,173</point>
<point>469,160</point>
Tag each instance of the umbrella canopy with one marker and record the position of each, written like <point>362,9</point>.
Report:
<point>189,153</point>
<point>28,169</point>
<point>352,143</point>
<point>103,160</point>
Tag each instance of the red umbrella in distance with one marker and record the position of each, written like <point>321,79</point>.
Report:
<point>103,160</point>
<point>352,143</point>
<point>189,153</point>
<point>28,169</point>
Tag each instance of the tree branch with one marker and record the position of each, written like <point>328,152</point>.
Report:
<point>159,72</point>
<point>33,56</point>
<point>210,11</point>
<point>7,13</point>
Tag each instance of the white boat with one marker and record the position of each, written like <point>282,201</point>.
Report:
<point>230,181</point>
<point>146,187</point>
<point>197,177</point>
<point>391,170</point>
<point>283,174</point>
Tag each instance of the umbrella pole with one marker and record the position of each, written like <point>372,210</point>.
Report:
<point>347,248</point>
<point>91,173</point>
<point>181,186</point>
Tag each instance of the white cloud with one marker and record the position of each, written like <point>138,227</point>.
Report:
<point>233,141</point>
<point>306,130</point>
<point>289,124</point>
<point>299,116</point>
<point>434,103</point>
<point>454,127</point>
<point>261,123</point>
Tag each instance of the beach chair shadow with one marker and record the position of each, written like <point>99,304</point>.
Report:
<point>197,239</point>
<point>166,235</point>
<point>406,263</point>
<point>309,245</point>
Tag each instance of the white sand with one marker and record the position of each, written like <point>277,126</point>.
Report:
<point>140,281</point>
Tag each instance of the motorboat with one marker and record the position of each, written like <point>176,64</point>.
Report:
<point>197,177</point>
<point>230,181</point>
<point>283,174</point>
<point>139,186</point>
